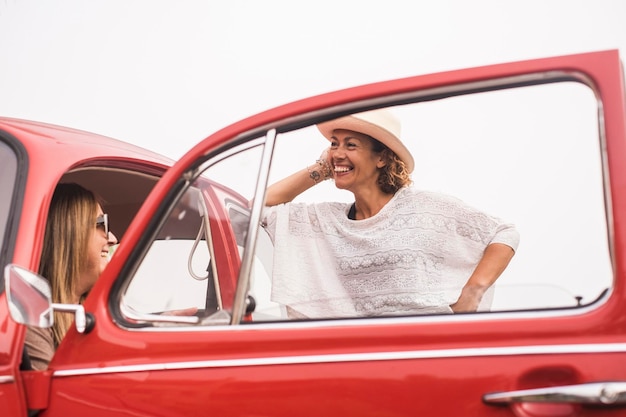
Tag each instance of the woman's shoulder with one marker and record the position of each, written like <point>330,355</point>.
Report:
<point>39,346</point>
<point>421,195</point>
<point>434,202</point>
<point>307,209</point>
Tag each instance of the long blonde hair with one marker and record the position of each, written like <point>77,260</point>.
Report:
<point>71,221</point>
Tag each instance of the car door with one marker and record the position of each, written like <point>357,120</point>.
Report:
<point>540,142</point>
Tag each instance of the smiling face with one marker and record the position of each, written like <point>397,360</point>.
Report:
<point>97,256</point>
<point>355,163</point>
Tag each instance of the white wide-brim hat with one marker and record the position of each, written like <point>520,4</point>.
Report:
<point>380,124</point>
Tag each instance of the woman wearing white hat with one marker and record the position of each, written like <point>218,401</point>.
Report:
<point>396,250</point>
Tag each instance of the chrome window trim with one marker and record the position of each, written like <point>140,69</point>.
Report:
<point>243,280</point>
<point>361,322</point>
<point>354,357</point>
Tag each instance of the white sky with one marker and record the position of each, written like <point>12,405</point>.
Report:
<point>166,74</point>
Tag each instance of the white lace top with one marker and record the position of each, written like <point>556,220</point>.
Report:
<point>412,257</point>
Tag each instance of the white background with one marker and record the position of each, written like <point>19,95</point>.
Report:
<point>166,74</point>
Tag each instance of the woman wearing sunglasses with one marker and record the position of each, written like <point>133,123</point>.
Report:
<point>75,252</point>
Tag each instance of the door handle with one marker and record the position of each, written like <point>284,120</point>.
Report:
<point>598,393</point>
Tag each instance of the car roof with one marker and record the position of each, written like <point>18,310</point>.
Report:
<point>37,135</point>
<point>120,173</point>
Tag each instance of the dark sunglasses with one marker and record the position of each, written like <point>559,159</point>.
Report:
<point>103,221</point>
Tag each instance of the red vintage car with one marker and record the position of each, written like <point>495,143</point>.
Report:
<point>540,142</point>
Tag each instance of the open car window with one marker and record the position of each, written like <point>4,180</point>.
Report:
<point>189,273</point>
<point>122,190</point>
<point>530,154</point>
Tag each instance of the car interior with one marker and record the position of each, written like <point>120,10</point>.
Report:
<point>122,191</point>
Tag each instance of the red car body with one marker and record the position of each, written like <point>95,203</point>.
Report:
<point>568,361</point>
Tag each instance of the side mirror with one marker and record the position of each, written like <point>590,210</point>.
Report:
<point>28,296</point>
<point>30,302</point>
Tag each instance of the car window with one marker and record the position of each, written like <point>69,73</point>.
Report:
<point>175,272</point>
<point>122,190</point>
<point>8,172</point>
<point>531,155</point>
<point>192,265</point>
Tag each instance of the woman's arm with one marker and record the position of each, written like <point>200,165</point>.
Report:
<point>494,261</point>
<point>39,345</point>
<point>292,186</point>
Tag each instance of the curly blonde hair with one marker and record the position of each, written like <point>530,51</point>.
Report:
<point>394,175</point>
